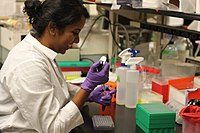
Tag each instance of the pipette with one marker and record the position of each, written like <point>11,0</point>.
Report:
<point>102,61</point>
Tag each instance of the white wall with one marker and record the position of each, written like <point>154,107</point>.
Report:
<point>96,43</point>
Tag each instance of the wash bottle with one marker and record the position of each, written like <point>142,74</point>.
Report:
<point>132,80</point>
<point>121,77</point>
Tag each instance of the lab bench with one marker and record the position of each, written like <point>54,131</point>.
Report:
<point>124,120</point>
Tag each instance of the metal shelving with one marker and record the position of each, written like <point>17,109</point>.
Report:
<point>140,15</point>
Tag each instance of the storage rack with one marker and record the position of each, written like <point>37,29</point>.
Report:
<point>141,14</point>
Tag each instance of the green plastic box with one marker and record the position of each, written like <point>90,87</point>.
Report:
<point>155,116</point>
<point>140,128</point>
<point>74,64</point>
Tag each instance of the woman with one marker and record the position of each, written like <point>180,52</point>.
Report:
<point>34,96</point>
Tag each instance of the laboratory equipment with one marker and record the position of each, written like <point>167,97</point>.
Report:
<point>14,23</point>
<point>113,85</point>
<point>195,25</point>
<point>177,69</point>
<point>109,110</point>
<point>151,3</point>
<point>184,47</point>
<point>179,90</point>
<point>155,117</point>
<point>148,73</point>
<point>195,102</point>
<point>197,85</point>
<point>191,116</point>
<point>132,80</point>
<point>160,85</point>
<point>74,67</point>
<point>188,6</point>
<point>71,75</point>
<point>102,61</point>
<point>196,62</point>
<point>8,39</point>
<point>121,77</point>
<point>173,6</point>
<point>148,96</point>
<point>103,1</point>
<point>176,107</point>
<point>102,122</point>
<point>151,58</point>
<point>170,52</point>
<point>179,87</point>
<point>136,3</point>
<point>198,48</point>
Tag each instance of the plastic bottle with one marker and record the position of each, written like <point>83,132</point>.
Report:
<point>132,82</point>
<point>184,47</point>
<point>170,52</point>
<point>121,77</point>
<point>151,59</point>
<point>150,73</point>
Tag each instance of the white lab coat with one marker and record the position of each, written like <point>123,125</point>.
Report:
<point>34,96</point>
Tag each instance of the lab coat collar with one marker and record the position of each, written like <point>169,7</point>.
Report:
<point>47,51</point>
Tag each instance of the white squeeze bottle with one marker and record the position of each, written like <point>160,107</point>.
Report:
<point>121,77</point>
<point>132,81</point>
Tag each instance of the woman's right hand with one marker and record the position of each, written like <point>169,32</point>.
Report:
<point>95,77</point>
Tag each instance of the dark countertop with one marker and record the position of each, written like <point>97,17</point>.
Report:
<point>124,119</point>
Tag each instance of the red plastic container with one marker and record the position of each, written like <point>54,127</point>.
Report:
<point>191,116</point>
<point>160,85</point>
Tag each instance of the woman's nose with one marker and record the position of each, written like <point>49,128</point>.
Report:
<point>74,45</point>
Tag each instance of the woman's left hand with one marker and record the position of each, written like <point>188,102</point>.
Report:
<point>101,96</point>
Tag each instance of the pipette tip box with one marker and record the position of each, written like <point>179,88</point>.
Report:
<point>155,118</point>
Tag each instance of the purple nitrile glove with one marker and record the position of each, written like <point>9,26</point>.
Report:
<point>95,77</point>
<point>100,96</point>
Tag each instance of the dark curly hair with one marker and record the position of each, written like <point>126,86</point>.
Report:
<point>60,12</point>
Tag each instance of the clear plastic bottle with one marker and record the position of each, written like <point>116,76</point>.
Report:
<point>189,47</point>
<point>121,77</point>
<point>151,59</point>
<point>132,86</point>
<point>121,84</point>
<point>184,47</point>
<point>170,52</point>
<point>132,82</point>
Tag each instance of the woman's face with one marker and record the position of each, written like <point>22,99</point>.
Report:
<point>64,41</point>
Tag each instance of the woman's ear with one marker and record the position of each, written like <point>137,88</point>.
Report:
<point>52,29</point>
